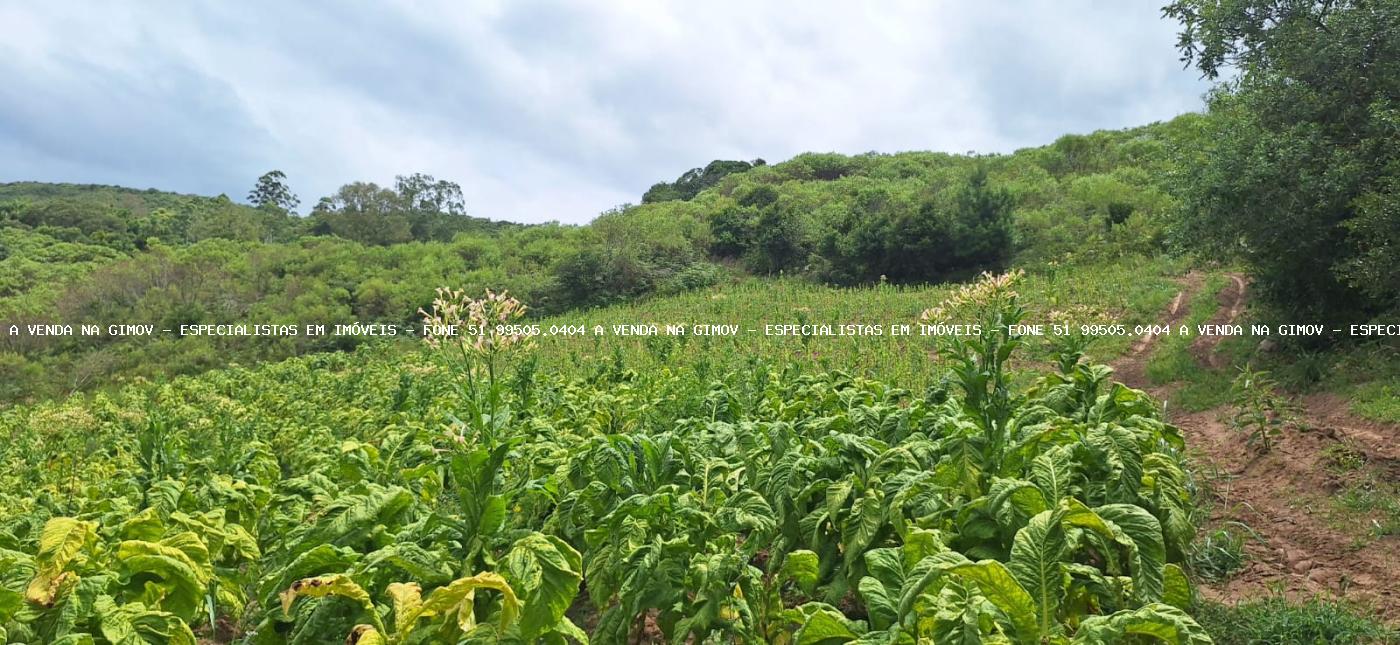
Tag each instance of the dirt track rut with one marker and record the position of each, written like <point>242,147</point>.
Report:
<point>1284,495</point>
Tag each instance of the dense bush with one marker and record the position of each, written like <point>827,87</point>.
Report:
<point>959,231</point>
<point>1299,169</point>
<point>692,181</point>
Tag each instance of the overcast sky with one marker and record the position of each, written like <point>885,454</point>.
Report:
<point>554,110</point>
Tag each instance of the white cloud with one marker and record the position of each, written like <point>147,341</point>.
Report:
<point>554,110</point>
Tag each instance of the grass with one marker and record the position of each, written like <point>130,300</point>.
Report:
<point>1367,498</point>
<point>1219,554</point>
<point>1276,620</point>
<point>1173,362</point>
<point>1367,375</point>
<point>1138,288</point>
<point>1378,401</point>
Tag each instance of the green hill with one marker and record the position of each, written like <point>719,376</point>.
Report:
<point>97,254</point>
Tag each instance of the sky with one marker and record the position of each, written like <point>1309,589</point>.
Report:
<point>554,110</point>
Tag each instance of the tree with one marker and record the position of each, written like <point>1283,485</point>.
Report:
<point>422,193</point>
<point>1300,169</point>
<point>935,238</point>
<point>271,191</point>
<point>364,212</point>
<point>692,181</point>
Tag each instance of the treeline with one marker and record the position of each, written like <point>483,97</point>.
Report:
<point>417,207</point>
<point>79,254</point>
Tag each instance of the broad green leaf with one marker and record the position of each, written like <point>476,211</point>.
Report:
<point>474,476</point>
<point>545,572</point>
<point>1019,494</point>
<point>1052,472</point>
<point>183,579</point>
<point>75,608</point>
<point>321,560</point>
<point>958,616</point>
<point>568,629</point>
<point>804,568</point>
<point>1124,456</point>
<point>866,521</point>
<point>116,622</point>
<point>826,626</point>
<point>919,544</point>
<point>886,565</point>
<point>1176,588</point>
<point>1081,516</point>
<point>164,496</point>
<point>146,525</point>
<point>241,542</point>
<point>878,602</point>
<point>1162,622</point>
<point>1035,561</point>
<point>458,599</point>
<point>749,513</point>
<point>415,563</point>
<point>1000,587</point>
<point>10,603</point>
<point>924,574</point>
<point>1143,535</point>
<point>837,494</point>
<point>493,515</point>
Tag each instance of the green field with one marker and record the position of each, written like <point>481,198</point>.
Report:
<point>742,504</point>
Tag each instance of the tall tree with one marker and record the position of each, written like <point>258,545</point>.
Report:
<point>1301,172</point>
<point>272,191</point>
<point>423,193</point>
<point>364,212</point>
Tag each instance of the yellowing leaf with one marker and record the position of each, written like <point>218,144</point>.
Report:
<point>44,589</point>
<point>322,586</point>
<point>459,597</point>
<point>408,598</point>
<point>365,635</point>
<point>60,542</point>
<point>1000,587</point>
<point>1178,588</point>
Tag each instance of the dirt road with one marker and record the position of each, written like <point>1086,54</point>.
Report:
<point>1287,494</point>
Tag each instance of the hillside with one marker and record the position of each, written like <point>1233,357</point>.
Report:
<point>79,254</point>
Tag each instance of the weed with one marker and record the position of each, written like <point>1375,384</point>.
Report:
<point>1220,553</point>
<point>1276,620</point>
<point>1259,411</point>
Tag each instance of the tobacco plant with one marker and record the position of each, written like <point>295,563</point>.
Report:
<point>451,496</point>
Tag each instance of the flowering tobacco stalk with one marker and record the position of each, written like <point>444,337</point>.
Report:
<point>988,292</point>
<point>471,336</point>
<point>979,363</point>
